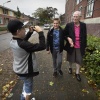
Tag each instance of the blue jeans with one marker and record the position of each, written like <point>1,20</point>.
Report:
<point>27,86</point>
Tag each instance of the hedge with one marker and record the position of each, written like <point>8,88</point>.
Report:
<point>3,28</point>
<point>92,60</point>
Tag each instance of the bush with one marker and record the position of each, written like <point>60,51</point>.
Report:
<point>92,59</point>
<point>3,28</point>
<point>63,26</point>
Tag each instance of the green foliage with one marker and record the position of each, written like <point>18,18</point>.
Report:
<point>63,26</point>
<point>92,59</point>
<point>3,28</point>
<point>18,13</point>
<point>45,15</point>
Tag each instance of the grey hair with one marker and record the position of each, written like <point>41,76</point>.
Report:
<point>78,12</point>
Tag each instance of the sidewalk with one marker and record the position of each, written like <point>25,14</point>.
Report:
<point>3,32</point>
<point>46,87</point>
<point>64,87</point>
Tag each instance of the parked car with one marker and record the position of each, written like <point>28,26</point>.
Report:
<point>46,26</point>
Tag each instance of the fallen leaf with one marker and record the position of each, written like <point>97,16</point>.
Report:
<point>51,83</point>
<point>10,95</point>
<point>82,69</point>
<point>73,76</point>
<point>11,82</point>
<point>85,91</point>
<point>85,72</point>
<point>1,69</point>
<point>90,82</point>
<point>64,61</point>
<point>43,72</point>
<point>7,85</point>
<point>6,95</point>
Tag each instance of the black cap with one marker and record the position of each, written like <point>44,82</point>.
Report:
<point>14,25</point>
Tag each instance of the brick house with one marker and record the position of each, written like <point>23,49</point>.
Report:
<point>90,10</point>
<point>7,14</point>
<point>62,19</point>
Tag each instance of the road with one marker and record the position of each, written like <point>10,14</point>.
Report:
<point>5,40</point>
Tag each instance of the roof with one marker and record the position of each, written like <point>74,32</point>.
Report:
<point>7,8</point>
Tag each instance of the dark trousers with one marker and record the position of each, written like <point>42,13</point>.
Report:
<point>57,60</point>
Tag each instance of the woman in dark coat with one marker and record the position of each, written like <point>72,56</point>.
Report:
<point>77,40</point>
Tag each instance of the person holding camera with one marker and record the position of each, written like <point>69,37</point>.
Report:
<point>24,64</point>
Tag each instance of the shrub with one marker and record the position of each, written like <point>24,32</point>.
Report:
<point>3,28</point>
<point>92,59</point>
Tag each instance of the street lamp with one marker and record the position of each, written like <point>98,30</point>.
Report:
<point>6,2</point>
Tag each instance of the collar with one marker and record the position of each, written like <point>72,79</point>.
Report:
<point>16,38</point>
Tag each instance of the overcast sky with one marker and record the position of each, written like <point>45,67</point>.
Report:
<point>29,6</point>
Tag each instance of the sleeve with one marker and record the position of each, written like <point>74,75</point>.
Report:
<point>85,35</point>
<point>28,35</point>
<point>66,31</point>
<point>30,47</point>
<point>48,41</point>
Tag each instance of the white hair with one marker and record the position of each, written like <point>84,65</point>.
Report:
<point>77,12</point>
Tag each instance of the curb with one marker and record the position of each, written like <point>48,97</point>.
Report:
<point>3,32</point>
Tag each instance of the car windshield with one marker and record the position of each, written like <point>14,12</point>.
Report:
<point>46,25</point>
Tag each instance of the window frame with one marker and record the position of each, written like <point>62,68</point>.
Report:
<point>89,8</point>
<point>1,20</point>
<point>78,1</point>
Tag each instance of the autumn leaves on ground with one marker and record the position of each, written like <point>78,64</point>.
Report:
<point>47,87</point>
<point>7,76</point>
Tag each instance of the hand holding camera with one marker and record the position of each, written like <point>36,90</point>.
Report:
<point>31,28</point>
<point>35,28</point>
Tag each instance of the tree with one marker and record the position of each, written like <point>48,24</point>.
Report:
<point>18,13</point>
<point>55,12</point>
<point>62,18</point>
<point>45,15</point>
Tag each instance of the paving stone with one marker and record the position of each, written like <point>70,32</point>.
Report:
<point>64,87</point>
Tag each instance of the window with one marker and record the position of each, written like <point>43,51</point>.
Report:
<point>11,13</point>
<point>80,8</point>
<point>72,14</point>
<point>5,11</point>
<point>1,21</point>
<point>78,1</point>
<point>89,10</point>
<point>66,0</point>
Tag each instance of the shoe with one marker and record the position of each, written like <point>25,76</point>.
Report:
<point>33,99</point>
<point>22,97</point>
<point>55,74</point>
<point>78,77</point>
<point>60,72</point>
<point>70,71</point>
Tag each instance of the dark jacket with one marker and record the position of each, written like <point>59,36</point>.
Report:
<point>50,40</point>
<point>69,31</point>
